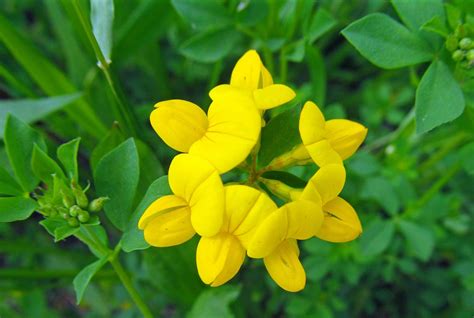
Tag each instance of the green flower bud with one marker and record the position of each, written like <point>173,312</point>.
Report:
<point>465,43</point>
<point>68,200</point>
<point>73,222</point>
<point>83,216</point>
<point>97,204</point>
<point>60,211</point>
<point>451,43</point>
<point>460,31</point>
<point>458,55</point>
<point>81,197</point>
<point>74,211</point>
<point>64,214</point>
<point>470,55</point>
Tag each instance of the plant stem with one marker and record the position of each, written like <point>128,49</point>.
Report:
<point>122,112</point>
<point>93,240</point>
<point>127,282</point>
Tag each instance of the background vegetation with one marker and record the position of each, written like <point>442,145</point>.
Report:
<point>395,71</point>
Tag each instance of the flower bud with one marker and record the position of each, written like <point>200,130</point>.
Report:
<point>470,55</point>
<point>74,211</point>
<point>458,55</point>
<point>465,43</point>
<point>81,198</point>
<point>68,200</point>
<point>64,214</point>
<point>451,43</point>
<point>83,216</point>
<point>73,222</point>
<point>98,204</point>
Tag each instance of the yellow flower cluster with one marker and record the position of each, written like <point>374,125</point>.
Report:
<point>235,221</point>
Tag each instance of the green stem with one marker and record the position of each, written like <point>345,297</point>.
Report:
<point>283,65</point>
<point>122,112</point>
<point>453,143</point>
<point>113,259</point>
<point>127,282</point>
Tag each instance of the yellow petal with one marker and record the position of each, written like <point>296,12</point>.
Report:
<point>345,136</point>
<point>233,132</point>
<point>247,71</point>
<point>328,181</point>
<point>267,79</point>
<point>236,95</point>
<point>311,124</point>
<point>179,123</point>
<point>285,268</point>
<point>163,204</point>
<point>219,258</point>
<point>297,220</point>
<point>323,154</point>
<point>169,228</point>
<point>273,96</point>
<point>269,234</point>
<point>341,224</point>
<point>304,219</point>
<point>199,184</point>
<point>246,208</point>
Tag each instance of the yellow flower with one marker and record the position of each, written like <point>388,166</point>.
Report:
<point>329,141</point>
<point>275,241</point>
<point>220,257</point>
<point>341,223</point>
<point>251,81</point>
<point>196,205</point>
<point>224,137</point>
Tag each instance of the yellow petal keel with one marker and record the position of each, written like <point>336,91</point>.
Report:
<point>328,181</point>
<point>219,258</point>
<point>179,123</point>
<point>273,96</point>
<point>345,136</point>
<point>341,223</point>
<point>285,268</point>
<point>196,181</point>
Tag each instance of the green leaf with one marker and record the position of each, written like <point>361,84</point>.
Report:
<point>67,155</point>
<point>467,158</point>
<point>143,26</point>
<point>132,239</point>
<point>53,223</point>
<point>252,12</point>
<point>47,76</point>
<point>116,177</point>
<point>376,237</point>
<point>439,99</point>
<point>150,166</point>
<point>62,232</point>
<point>16,208</point>
<point>436,25</point>
<point>83,278</point>
<point>19,141</point>
<point>453,15</point>
<point>30,110</point>
<point>385,42</point>
<point>415,13</point>
<point>382,191</point>
<point>222,41</point>
<point>202,14</point>
<point>280,135</point>
<point>215,302</point>
<point>297,51</point>
<point>8,185</point>
<point>113,138</point>
<point>321,23</point>
<point>420,240</point>
<point>285,177</point>
<point>92,232</point>
<point>44,167</point>
<point>102,19</point>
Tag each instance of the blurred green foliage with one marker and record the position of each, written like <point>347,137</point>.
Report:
<point>412,183</point>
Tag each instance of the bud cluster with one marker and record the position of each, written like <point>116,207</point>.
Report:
<point>70,203</point>
<point>461,44</point>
